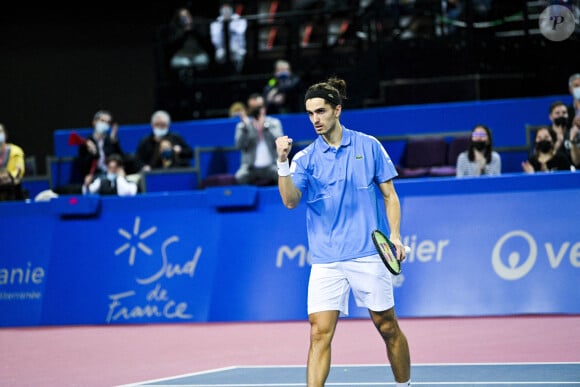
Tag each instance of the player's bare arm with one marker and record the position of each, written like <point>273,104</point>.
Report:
<point>393,209</point>
<point>290,194</point>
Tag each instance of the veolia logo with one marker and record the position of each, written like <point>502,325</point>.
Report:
<point>514,267</point>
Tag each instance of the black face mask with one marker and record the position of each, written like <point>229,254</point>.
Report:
<point>544,146</point>
<point>256,112</point>
<point>561,121</point>
<point>479,145</point>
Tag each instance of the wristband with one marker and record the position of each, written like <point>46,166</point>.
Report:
<point>283,168</point>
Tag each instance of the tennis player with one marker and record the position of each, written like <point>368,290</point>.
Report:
<point>338,174</point>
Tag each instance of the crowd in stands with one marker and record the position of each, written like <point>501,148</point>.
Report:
<point>104,167</point>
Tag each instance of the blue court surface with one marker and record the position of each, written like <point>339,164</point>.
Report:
<point>479,374</point>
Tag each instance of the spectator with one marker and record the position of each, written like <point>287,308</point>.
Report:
<point>229,27</point>
<point>574,141</point>
<point>480,158</point>
<point>283,91</point>
<point>92,154</point>
<point>166,158</point>
<point>148,147</point>
<point>114,182</point>
<point>546,158</point>
<point>256,137</point>
<point>559,123</point>
<point>574,88</point>
<point>185,45</point>
<point>567,143</point>
<point>12,168</point>
<point>236,109</point>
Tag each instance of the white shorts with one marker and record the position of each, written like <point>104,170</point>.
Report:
<point>368,278</point>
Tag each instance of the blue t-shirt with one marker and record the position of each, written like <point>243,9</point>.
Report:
<point>340,189</point>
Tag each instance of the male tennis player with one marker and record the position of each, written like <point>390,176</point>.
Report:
<point>338,174</point>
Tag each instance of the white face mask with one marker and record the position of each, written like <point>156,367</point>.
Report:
<point>101,127</point>
<point>160,132</point>
<point>226,12</point>
<point>576,92</point>
<point>2,137</point>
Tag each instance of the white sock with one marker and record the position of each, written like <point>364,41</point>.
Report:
<point>407,383</point>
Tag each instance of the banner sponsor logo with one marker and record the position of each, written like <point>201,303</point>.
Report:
<point>516,264</point>
<point>287,253</point>
<point>130,304</point>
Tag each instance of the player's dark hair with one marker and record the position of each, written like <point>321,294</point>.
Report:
<point>333,91</point>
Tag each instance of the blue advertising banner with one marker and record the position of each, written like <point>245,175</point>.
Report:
<point>490,254</point>
<point>489,246</point>
<point>264,264</point>
<point>26,235</point>
<point>142,260</point>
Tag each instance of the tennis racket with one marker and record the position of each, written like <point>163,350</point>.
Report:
<point>388,252</point>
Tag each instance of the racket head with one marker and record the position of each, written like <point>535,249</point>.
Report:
<point>387,252</point>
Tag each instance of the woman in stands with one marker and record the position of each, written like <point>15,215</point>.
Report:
<point>480,158</point>
<point>546,158</point>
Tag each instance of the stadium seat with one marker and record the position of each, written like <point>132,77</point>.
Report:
<point>421,154</point>
<point>455,147</point>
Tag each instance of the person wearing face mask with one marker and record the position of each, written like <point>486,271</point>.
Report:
<point>566,142</point>
<point>148,147</point>
<point>165,157</point>
<point>282,92</point>
<point>12,168</point>
<point>480,158</point>
<point>103,142</point>
<point>545,157</point>
<point>558,116</point>
<point>255,137</point>
<point>228,35</point>
<point>574,107</point>
<point>113,182</point>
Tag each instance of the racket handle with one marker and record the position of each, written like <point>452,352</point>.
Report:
<point>407,250</point>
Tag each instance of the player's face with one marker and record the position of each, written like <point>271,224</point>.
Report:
<point>322,115</point>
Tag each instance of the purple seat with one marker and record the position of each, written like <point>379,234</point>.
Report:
<point>219,179</point>
<point>456,146</point>
<point>421,154</point>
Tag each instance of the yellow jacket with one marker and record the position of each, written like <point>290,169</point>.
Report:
<point>15,165</point>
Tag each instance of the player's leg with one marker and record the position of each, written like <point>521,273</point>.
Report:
<point>372,288</point>
<point>396,342</point>
<point>322,328</point>
<point>328,292</point>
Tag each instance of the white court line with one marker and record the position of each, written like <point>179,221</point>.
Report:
<point>498,383</point>
<point>211,371</point>
<point>368,384</point>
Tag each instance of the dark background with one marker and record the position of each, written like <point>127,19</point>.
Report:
<point>60,64</point>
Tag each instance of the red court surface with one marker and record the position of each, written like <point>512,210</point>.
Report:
<point>103,356</point>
